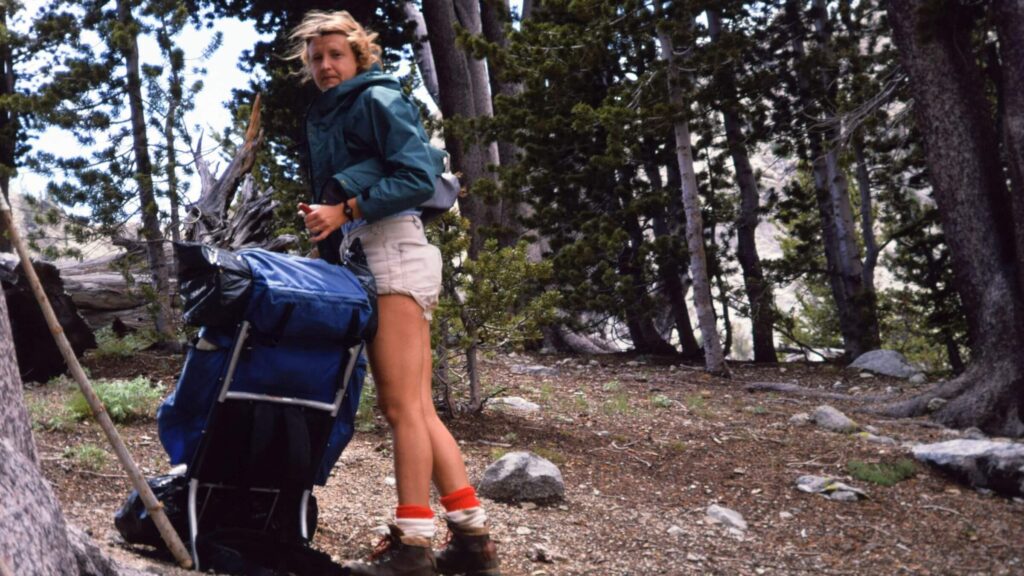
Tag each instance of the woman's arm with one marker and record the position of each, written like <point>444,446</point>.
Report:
<point>401,142</point>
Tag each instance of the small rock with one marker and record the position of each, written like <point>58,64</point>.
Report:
<point>390,480</point>
<point>866,375</point>
<point>632,363</point>
<point>534,370</point>
<point>675,530</point>
<point>875,439</point>
<point>539,553</point>
<point>936,404</point>
<point>529,506</point>
<point>829,488</point>
<point>918,379</point>
<point>726,516</point>
<point>973,433</point>
<point>785,515</point>
<point>843,496</point>
<point>672,368</point>
<point>513,403</point>
<point>872,429</point>
<point>522,476</point>
<point>831,419</point>
<point>800,419</point>
<point>523,531</point>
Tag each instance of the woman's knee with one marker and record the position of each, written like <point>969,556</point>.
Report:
<point>400,410</point>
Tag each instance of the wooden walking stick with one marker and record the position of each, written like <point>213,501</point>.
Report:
<point>153,506</point>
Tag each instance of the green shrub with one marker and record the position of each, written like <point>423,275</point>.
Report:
<point>47,417</point>
<point>661,401</point>
<point>88,456</point>
<point>612,386</point>
<point>618,404</point>
<point>125,400</point>
<point>698,405</point>
<point>550,454</point>
<point>109,345</point>
<point>366,418</point>
<point>882,473</point>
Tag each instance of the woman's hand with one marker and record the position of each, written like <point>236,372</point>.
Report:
<point>321,219</point>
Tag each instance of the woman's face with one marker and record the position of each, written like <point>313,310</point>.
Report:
<point>331,61</point>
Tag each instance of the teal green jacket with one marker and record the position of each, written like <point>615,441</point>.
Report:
<point>366,141</point>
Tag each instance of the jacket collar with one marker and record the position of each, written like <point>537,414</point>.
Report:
<point>344,94</point>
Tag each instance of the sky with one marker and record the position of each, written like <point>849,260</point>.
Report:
<point>210,112</point>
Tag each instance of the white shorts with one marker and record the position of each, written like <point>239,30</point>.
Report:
<point>401,259</point>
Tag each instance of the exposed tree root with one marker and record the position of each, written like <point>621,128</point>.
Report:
<point>813,393</point>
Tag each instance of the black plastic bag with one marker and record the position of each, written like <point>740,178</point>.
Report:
<point>215,284</point>
<point>355,260</point>
<point>134,522</point>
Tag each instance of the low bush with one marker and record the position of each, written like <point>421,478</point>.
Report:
<point>125,400</point>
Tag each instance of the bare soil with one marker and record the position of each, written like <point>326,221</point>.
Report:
<point>644,445</point>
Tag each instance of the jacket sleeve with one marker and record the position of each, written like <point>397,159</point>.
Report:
<point>358,178</point>
<point>409,170</point>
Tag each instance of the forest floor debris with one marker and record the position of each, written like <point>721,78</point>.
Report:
<point>645,447</point>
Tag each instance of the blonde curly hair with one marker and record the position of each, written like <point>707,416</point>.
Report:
<point>320,23</point>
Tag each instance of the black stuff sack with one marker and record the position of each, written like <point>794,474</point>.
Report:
<point>215,284</point>
<point>136,525</point>
<point>355,260</point>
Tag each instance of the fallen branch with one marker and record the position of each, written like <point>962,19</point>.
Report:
<point>812,393</point>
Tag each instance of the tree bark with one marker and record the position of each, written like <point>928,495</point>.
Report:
<point>759,291</point>
<point>1009,18</point>
<point>422,52</point>
<point>457,100</point>
<point>867,217</point>
<point>34,538</point>
<point>714,360</point>
<point>144,174</point>
<point>969,188</point>
<point>855,302</point>
<point>9,123</point>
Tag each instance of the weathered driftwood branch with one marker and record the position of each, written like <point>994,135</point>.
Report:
<point>153,506</point>
<point>206,219</point>
<point>812,393</point>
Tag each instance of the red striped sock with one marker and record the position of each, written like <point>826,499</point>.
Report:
<point>460,499</point>
<point>415,520</point>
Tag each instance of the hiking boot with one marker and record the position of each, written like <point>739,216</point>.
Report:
<point>397,555</point>
<point>469,552</point>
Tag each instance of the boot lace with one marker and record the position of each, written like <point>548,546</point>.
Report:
<point>383,546</point>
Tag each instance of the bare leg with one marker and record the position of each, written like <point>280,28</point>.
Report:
<point>398,355</point>
<point>449,467</point>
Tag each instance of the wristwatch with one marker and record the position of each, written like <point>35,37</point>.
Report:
<point>346,208</point>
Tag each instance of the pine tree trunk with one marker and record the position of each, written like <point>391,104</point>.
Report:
<point>759,291</point>
<point>969,189</point>
<point>675,291</point>
<point>855,302</point>
<point>457,100</point>
<point>144,176</point>
<point>494,14</point>
<point>1009,18</point>
<point>8,122</point>
<point>422,51</point>
<point>713,358</point>
<point>638,308</point>
<point>867,217</point>
<point>171,169</point>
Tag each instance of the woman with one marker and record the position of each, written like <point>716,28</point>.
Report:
<point>370,167</point>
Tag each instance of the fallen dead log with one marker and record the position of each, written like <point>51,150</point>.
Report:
<point>786,388</point>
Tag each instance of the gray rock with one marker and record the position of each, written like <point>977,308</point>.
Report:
<point>514,403</point>
<point>936,404</point>
<point>885,362</point>
<point>997,466</point>
<point>918,379</point>
<point>534,370</point>
<point>675,531</point>
<point>831,419</point>
<point>728,517</point>
<point>522,476</point>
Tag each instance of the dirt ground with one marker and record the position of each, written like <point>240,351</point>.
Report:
<point>644,445</point>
